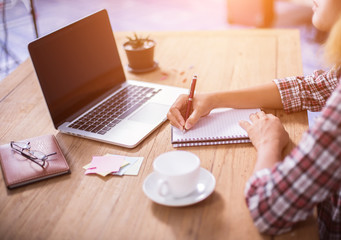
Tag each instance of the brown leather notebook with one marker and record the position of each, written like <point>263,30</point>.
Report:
<point>18,170</point>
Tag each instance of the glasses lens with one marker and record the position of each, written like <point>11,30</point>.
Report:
<point>38,155</point>
<point>22,145</point>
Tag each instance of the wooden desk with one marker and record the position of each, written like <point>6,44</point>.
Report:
<point>89,207</point>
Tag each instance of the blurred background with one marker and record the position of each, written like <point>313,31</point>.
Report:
<point>21,21</point>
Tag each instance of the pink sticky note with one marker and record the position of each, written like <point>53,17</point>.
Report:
<point>104,165</point>
<point>93,171</point>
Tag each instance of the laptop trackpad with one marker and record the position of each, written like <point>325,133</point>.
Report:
<point>151,113</point>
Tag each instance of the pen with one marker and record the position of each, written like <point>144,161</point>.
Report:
<point>190,97</point>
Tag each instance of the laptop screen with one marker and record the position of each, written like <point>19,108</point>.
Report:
<point>76,65</point>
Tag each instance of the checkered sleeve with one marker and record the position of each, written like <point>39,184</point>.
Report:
<point>307,93</point>
<point>308,176</point>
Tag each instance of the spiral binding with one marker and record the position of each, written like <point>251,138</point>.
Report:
<point>213,141</point>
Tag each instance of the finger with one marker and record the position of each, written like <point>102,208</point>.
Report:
<point>245,125</point>
<point>175,112</point>
<point>271,116</point>
<point>261,114</point>
<point>253,117</point>
<point>192,119</point>
<point>175,118</point>
<point>181,102</point>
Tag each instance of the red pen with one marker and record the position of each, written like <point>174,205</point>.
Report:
<point>190,97</point>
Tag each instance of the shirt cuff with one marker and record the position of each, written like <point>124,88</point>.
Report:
<point>260,176</point>
<point>290,94</point>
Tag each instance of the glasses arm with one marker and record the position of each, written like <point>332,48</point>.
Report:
<point>47,155</point>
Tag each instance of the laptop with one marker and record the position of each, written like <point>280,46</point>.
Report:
<point>85,88</point>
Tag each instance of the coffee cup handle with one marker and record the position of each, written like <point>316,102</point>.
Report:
<point>163,187</point>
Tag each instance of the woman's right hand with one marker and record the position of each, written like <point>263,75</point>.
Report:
<point>201,106</point>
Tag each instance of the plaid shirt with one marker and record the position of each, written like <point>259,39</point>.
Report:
<point>311,174</point>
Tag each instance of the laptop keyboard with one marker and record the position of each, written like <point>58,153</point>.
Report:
<point>109,113</point>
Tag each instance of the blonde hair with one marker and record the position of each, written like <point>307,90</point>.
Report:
<point>333,45</point>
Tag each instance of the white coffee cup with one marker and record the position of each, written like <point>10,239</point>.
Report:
<point>178,173</point>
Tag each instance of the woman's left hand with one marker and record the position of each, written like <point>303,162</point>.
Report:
<point>268,136</point>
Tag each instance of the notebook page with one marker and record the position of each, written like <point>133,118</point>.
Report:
<point>219,124</point>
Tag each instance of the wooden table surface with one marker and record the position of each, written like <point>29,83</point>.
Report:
<point>77,206</point>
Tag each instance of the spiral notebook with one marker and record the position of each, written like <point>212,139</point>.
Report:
<point>221,126</point>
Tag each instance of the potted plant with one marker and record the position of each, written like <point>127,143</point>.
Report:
<point>140,53</point>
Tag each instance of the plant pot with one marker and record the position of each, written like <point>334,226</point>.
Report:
<point>140,59</point>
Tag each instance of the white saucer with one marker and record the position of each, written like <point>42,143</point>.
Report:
<point>205,187</point>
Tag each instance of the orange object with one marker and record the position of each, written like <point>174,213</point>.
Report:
<point>257,13</point>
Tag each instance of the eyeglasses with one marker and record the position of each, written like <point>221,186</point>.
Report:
<point>24,148</point>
